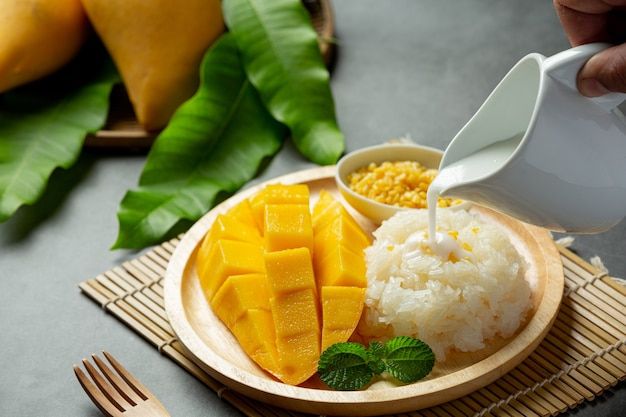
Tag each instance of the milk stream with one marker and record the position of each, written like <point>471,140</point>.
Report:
<point>481,163</point>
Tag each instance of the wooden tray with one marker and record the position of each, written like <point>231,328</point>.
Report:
<point>214,348</point>
<point>123,132</point>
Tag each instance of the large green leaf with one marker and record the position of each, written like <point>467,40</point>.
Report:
<point>214,143</point>
<point>282,59</point>
<point>43,125</point>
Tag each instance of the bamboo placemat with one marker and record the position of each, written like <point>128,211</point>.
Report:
<point>583,355</point>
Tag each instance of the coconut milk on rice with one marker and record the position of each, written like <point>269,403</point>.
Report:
<point>466,289</point>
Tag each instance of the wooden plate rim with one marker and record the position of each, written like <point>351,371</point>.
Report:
<point>308,399</point>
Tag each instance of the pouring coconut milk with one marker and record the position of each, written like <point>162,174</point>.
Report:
<point>473,167</point>
<point>539,151</point>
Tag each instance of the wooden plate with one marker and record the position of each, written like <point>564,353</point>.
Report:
<point>217,351</point>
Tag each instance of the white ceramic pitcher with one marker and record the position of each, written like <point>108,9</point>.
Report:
<point>568,172</point>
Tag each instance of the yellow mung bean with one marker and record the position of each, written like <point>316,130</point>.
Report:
<point>399,183</point>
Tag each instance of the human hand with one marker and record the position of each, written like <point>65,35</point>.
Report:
<point>586,21</point>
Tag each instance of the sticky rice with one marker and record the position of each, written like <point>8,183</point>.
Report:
<point>457,302</point>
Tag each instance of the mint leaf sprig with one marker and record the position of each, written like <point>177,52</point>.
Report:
<point>350,366</point>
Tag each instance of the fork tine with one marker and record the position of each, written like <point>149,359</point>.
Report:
<point>121,386</point>
<point>95,394</point>
<point>127,376</point>
<point>111,393</point>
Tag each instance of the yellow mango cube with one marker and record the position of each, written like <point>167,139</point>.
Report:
<point>341,267</point>
<point>287,226</point>
<point>229,257</point>
<point>243,213</point>
<point>256,335</point>
<point>341,312</point>
<point>326,210</point>
<point>298,356</point>
<point>340,231</point>
<point>324,201</point>
<point>295,313</point>
<point>289,271</point>
<point>277,194</point>
<point>227,227</point>
<point>238,294</point>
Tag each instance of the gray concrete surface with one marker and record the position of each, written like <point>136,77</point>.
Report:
<point>417,67</point>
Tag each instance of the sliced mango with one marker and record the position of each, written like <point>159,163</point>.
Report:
<point>228,227</point>
<point>289,271</point>
<point>243,213</point>
<point>277,194</point>
<point>287,283</point>
<point>324,201</point>
<point>341,231</point>
<point>341,311</point>
<point>295,312</point>
<point>255,333</point>
<point>238,294</point>
<point>342,267</point>
<point>229,257</point>
<point>287,226</point>
<point>326,210</point>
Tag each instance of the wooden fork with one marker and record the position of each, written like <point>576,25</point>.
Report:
<point>118,394</point>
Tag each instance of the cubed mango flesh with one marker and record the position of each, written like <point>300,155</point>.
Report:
<point>341,267</point>
<point>287,226</point>
<point>238,294</point>
<point>228,227</point>
<point>256,335</point>
<point>277,194</point>
<point>295,313</point>
<point>341,231</point>
<point>325,199</point>
<point>289,271</point>
<point>341,311</point>
<point>243,213</point>
<point>288,284</point>
<point>229,257</point>
<point>326,210</point>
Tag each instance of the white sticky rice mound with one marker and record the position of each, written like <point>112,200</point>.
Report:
<point>449,305</point>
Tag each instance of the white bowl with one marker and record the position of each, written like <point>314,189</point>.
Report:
<point>377,212</point>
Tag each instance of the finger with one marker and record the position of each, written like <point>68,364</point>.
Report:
<point>604,72</point>
<point>584,21</point>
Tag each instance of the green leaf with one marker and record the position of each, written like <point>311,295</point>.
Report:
<point>377,353</point>
<point>213,144</point>
<point>344,366</point>
<point>43,125</point>
<point>281,55</point>
<point>408,359</point>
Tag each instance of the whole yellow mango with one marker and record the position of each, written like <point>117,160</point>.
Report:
<point>37,37</point>
<point>157,46</point>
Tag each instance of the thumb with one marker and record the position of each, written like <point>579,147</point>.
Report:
<point>604,72</point>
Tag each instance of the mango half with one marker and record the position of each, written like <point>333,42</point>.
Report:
<point>287,283</point>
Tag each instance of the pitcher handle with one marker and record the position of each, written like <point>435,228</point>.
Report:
<point>564,68</point>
